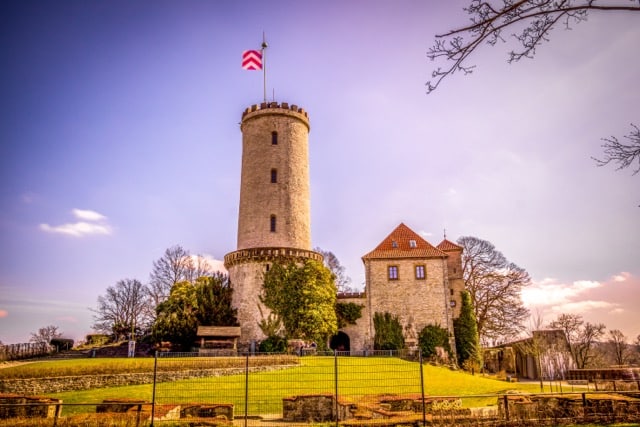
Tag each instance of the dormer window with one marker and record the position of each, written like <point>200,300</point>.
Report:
<point>394,244</point>
<point>413,244</point>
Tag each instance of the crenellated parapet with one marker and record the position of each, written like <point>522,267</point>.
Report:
<point>276,108</point>
<point>259,255</point>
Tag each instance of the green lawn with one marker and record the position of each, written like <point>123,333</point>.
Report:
<point>358,378</point>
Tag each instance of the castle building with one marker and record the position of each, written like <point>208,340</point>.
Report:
<point>409,278</point>
<point>405,275</point>
<point>274,223</point>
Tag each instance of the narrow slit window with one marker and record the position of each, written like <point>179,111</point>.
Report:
<point>274,176</point>
<point>272,225</point>
<point>274,138</point>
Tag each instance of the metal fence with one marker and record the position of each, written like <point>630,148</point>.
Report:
<point>347,389</point>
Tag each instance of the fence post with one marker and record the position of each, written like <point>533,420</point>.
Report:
<point>335,380</point>
<point>57,414</point>
<point>424,405</point>
<point>138,415</point>
<point>246,390</point>
<point>153,393</point>
<point>506,407</point>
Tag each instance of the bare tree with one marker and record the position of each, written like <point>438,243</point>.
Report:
<point>199,267</point>
<point>532,21</point>
<point>125,308</point>
<point>582,337</point>
<point>333,263</point>
<point>622,154</point>
<point>174,266</point>
<point>618,343</point>
<point>494,284</point>
<point>45,334</point>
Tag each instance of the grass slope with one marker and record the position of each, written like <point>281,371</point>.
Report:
<point>357,377</point>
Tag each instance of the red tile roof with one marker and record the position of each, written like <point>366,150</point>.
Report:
<point>402,236</point>
<point>446,245</point>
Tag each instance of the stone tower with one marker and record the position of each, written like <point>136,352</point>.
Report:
<point>274,220</point>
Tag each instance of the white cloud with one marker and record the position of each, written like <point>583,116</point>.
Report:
<point>88,215</point>
<point>550,292</point>
<point>622,277</point>
<point>97,226</point>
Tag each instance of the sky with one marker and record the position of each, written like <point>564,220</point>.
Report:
<point>119,138</point>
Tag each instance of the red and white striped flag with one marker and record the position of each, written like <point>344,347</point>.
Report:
<point>252,60</point>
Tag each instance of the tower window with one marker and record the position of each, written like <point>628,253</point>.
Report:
<point>267,267</point>
<point>420,272</point>
<point>272,225</point>
<point>274,138</point>
<point>274,176</point>
<point>393,272</point>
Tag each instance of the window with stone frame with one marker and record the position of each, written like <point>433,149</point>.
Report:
<point>421,272</point>
<point>393,272</point>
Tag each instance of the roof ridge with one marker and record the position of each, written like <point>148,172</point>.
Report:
<point>403,242</point>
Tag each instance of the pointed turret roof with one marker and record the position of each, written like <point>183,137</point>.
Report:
<point>447,246</point>
<point>399,244</point>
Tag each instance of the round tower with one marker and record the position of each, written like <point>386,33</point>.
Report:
<point>274,219</point>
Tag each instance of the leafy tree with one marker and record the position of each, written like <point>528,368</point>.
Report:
<point>214,301</point>
<point>177,319</point>
<point>466,333</point>
<point>348,313</point>
<point>582,337</point>
<point>494,284</point>
<point>207,302</point>
<point>45,334</point>
<point>388,332</point>
<point>303,296</point>
<point>618,343</point>
<point>175,265</point>
<point>124,308</point>
<point>432,336</point>
<point>333,263</point>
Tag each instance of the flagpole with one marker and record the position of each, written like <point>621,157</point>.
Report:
<point>264,66</point>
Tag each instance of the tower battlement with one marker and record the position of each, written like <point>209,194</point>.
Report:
<point>276,108</point>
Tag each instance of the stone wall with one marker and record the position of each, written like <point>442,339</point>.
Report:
<point>360,337</point>
<point>39,386</point>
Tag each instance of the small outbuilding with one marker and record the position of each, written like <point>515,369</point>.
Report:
<point>218,339</point>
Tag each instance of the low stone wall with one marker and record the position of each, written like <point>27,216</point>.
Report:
<point>39,386</point>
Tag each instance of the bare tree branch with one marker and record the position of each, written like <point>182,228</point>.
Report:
<point>539,17</point>
<point>622,154</point>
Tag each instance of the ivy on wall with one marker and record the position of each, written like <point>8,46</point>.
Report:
<point>348,313</point>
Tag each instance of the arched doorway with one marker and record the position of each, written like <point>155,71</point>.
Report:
<point>340,342</point>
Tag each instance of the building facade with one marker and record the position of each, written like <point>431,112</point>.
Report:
<point>409,278</point>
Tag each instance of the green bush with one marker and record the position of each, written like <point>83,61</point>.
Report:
<point>273,344</point>
<point>388,332</point>
<point>432,336</point>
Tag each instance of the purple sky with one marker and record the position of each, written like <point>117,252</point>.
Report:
<point>119,138</point>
